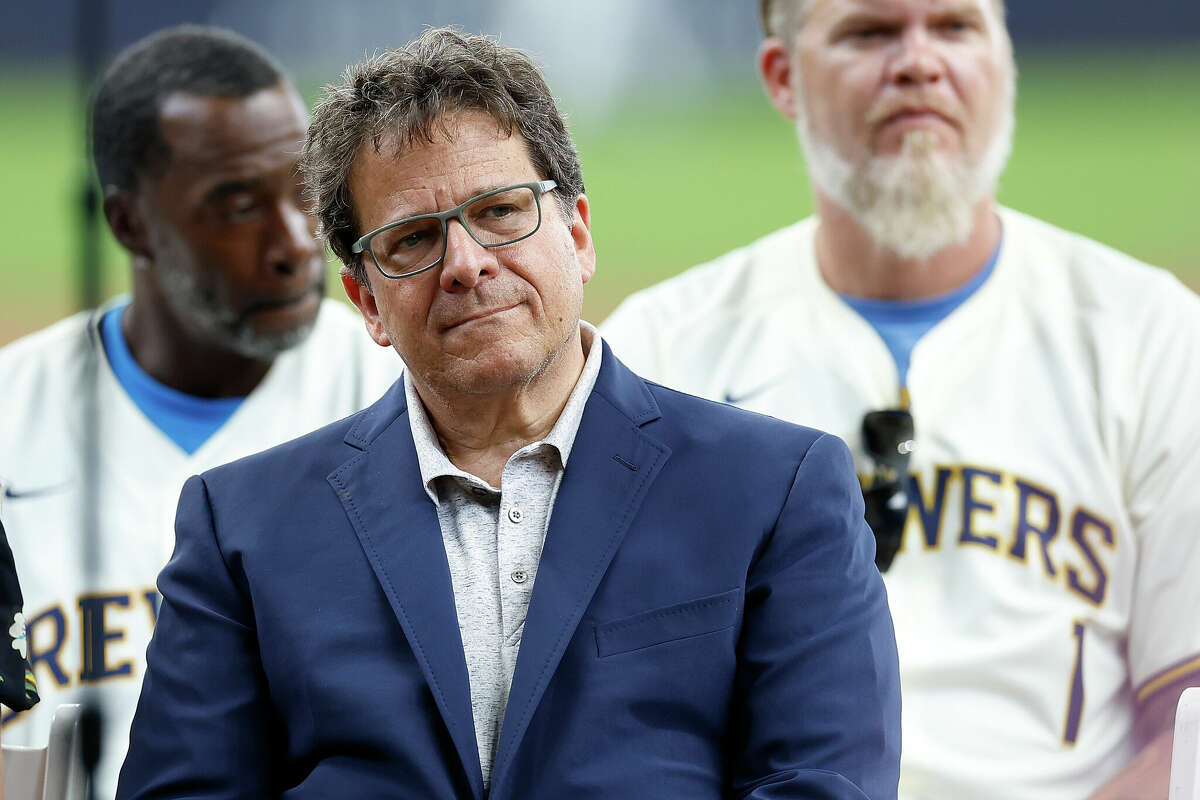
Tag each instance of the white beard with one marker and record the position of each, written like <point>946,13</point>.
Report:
<point>209,311</point>
<point>914,203</point>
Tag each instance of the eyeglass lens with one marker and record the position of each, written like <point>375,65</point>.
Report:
<point>493,220</point>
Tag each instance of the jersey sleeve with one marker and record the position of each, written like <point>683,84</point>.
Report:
<point>1162,485</point>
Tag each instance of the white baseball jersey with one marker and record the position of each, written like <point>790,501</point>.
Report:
<point>1048,575</point>
<point>98,639</point>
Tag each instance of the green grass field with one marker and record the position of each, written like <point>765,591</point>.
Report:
<point>1108,144</point>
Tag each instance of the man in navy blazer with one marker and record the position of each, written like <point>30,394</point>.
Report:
<point>524,572</point>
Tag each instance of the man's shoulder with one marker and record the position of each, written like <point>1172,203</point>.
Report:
<point>1097,277</point>
<point>340,329</point>
<point>673,331</point>
<point>738,282</point>
<point>42,362</point>
<point>338,356</point>
<point>728,430</point>
<point>57,343</point>
<point>316,453</point>
<point>337,317</point>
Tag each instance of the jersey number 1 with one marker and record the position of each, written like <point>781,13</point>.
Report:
<point>1075,701</point>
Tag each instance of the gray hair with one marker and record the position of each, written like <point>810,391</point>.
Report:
<point>782,16</point>
<point>404,96</point>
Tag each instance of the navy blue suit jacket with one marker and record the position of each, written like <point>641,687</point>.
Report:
<point>707,622</point>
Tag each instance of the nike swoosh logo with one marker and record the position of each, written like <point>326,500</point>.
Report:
<point>14,494</point>
<point>738,399</point>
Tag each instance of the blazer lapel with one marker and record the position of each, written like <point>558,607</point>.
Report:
<point>398,528</point>
<point>611,467</point>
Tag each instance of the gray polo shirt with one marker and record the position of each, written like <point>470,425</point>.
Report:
<point>493,542</point>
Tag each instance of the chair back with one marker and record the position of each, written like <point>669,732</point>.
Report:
<point>53,772</point>
<point>1185,752</point>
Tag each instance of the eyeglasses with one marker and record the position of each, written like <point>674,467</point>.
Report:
<point>413,245</point>
<point>888,438</point>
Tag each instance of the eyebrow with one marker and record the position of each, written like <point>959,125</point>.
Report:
<point>475,191</point>
<point>968,10</point>
<point>878,16</point>
<point>859,18</point>
<point>484,189</point>
<point>227,188</point>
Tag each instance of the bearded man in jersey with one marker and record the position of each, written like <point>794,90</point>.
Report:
<point>225,346</point>
<point>1019,399</point>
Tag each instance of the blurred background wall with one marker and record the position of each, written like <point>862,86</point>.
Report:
<point>664,102</point>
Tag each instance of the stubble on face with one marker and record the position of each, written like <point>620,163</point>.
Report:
<point>209,254</point>
<point>529,293</point>
<point>210,313</point>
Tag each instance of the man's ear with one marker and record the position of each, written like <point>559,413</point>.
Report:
<point>364,300</point>
<point>125,221</point>
<point>581,235</point>
<point>775,66</point>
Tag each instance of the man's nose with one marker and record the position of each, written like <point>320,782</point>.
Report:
<point>294,240</point>
<point>467,262</point>
<point>918,60</point>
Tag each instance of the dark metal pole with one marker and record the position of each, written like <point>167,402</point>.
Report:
<point>91,39</point>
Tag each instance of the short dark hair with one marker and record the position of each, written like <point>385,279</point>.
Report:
<point>405,95</point>
<point>210,62</point>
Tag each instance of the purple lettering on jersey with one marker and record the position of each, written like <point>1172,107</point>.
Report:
<point>1081,524</point>
<point>1025,493</point>
<point>49,656</point>
<point>971,505</point>
<point>931,515</point>
<point>96,636</point>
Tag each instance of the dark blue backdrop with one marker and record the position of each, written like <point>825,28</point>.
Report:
<point>46,28</point>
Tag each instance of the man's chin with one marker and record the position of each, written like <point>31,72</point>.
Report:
<point>270,319</point>
<point>917,206</point>
<point>494,371</point>
<point>265,343</point>
<point>913,204</point>
<point>265,332</point>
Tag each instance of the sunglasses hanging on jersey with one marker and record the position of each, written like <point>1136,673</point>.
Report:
<point>888,439</point>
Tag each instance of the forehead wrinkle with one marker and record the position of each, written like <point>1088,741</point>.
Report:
<point>201,130</point>
<point>889,8</point>
<point>453,181</point>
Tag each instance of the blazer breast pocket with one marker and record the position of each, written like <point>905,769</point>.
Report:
<point>669,624</point>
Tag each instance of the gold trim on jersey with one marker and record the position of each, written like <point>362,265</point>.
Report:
<point>1167,677</point>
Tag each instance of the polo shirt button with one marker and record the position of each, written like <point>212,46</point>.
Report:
<point>519,576</point>
<point>515,515</point>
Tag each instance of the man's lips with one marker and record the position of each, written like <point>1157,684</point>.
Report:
<point>286,301</point>
<point>916,115</point>
<point>478,315</point>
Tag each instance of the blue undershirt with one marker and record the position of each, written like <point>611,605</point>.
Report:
<point>187,420</point>
<point>901,323</point>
